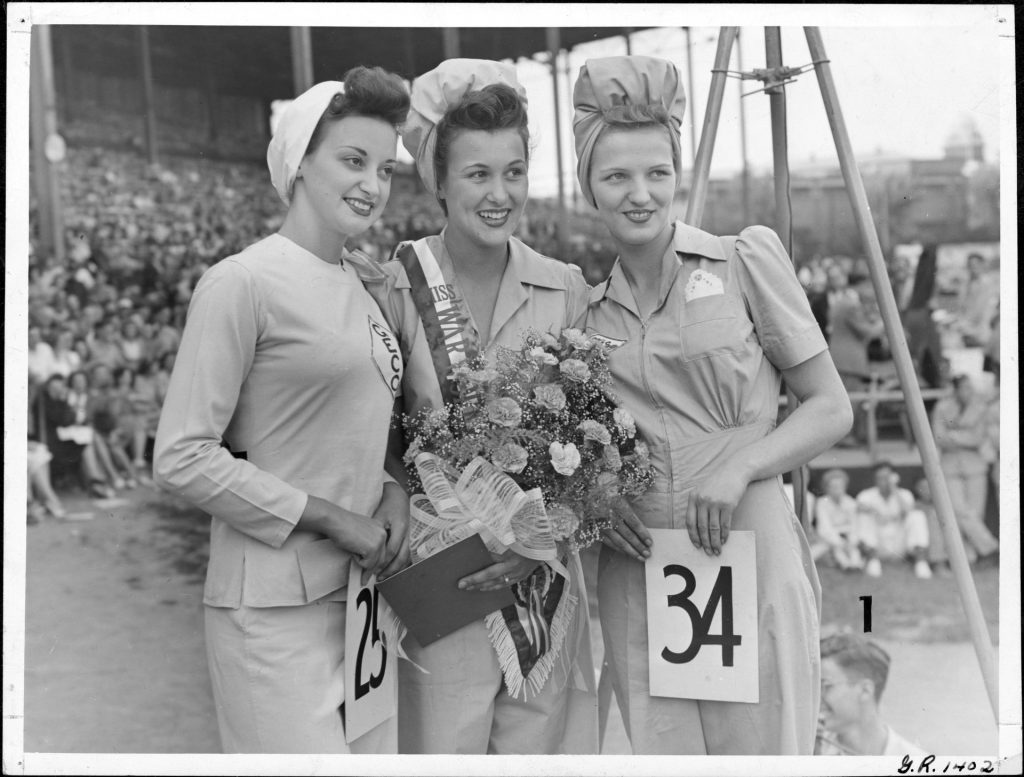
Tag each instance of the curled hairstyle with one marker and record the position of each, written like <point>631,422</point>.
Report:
<point>369,91</point>
<point>859,657</point>
<point>495,107</point>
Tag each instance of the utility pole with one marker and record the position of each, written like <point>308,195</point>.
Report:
<point>47,146</point>
<point>554,46</point>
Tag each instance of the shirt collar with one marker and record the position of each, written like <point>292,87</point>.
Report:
<point>691,240</point>
<point>685,240</point>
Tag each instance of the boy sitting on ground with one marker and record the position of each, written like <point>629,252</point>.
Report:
<point>854,672</point>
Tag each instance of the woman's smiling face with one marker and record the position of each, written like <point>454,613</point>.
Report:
<point>633,179</point>
<point>485,186</point>
<point>346,180</point>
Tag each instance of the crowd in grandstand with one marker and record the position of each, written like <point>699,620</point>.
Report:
<point>105,324</point>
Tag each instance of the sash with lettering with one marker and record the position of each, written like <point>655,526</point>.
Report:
<point>528,635</point>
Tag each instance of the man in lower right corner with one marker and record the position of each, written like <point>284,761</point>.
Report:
<point>854,671</point>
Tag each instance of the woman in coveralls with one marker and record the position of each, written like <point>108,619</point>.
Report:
<point>706,326</point>
<point>276,423</point>
<point>526,684</point>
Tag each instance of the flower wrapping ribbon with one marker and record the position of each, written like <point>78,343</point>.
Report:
<point>528,635</point>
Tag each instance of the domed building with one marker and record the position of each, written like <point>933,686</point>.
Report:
<point>964,141</point>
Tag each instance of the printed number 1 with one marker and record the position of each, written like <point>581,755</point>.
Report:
<point>721,594</point>
<point>369,625</point>
<point>867,613</point>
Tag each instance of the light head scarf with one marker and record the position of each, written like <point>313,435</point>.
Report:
<point>611,81</point>
<point>293,132</point>
<point>435,92</point>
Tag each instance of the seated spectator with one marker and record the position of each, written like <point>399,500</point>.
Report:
<point>65,359</point>
<point>105,346</point>
<point>71,443</point>
<point>837,521</point>
<point>888,530</point>
<point>167,337</point>
<point>103,413</point>
<point>938,555</point>
<point>40,356</point>
<point>850,330</point>
<point>138,413</point>
<point>41,496</point>
<point>854,672</point>
<point>133,346</point>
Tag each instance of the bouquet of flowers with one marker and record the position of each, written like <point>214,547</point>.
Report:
<point>543,418</point>
<point>531,457</point>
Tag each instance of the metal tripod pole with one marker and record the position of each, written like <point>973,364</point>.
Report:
<point>905,370</point>
<point>784,221</point>
<point>702,165</point>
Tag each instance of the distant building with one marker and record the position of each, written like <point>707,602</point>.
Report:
<point>947,200</point>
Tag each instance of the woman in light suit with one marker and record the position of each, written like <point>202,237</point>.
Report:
<point>276,421</point>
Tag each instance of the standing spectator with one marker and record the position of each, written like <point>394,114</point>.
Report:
<point>837,520</point>
<point>818,297</point>
<point>902,280</point>
<point>850,329</point>
<point>888,530</point>
<point>961,432</point>
<point>854,672</point>
<point>923,339</point>
<point>977,303</point>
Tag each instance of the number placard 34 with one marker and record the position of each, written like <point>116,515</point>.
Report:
<point>371,694</point>
<point>702,618</point>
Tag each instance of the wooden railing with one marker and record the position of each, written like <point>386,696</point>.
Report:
<point>879,392</point>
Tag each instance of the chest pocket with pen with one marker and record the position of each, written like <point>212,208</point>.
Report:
<point>713,326</point>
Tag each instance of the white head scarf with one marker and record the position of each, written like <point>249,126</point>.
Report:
<point>294,129</point>
<point>433,93</point>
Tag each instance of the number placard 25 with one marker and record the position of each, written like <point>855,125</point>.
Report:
<point>702,618</point>
<point>371,695</point>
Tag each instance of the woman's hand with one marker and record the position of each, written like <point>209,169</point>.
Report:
<point>509,568</point>
<point>393,514</point>
<point>711,505</point>
<point>363,537</point>
<point>628,535</point>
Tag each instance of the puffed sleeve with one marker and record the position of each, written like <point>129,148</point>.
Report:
<point>217,350</point>
<point>777,303</point>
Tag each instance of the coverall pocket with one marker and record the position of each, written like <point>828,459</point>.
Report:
<point>712,325</point>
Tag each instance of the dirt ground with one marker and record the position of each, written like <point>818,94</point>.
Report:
<point>115,660</point>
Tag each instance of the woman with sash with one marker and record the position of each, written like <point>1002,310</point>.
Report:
<point>276,422</point>
<point>526,684</point>
<point>708,326</point>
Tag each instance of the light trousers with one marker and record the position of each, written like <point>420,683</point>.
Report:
<point>968,494</point>
<point>278,678</point>
<point>462,705</point>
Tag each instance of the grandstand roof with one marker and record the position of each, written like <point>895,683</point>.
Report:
<point>256,61</point>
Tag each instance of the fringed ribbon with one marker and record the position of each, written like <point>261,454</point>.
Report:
<point>522,678</point>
